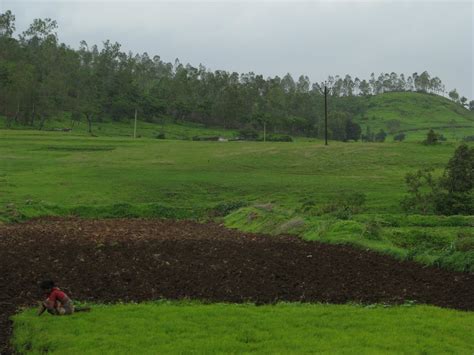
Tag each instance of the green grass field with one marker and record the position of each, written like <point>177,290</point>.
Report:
<point>180,327</point>
<point>72,170</point>
<point>54,173</point>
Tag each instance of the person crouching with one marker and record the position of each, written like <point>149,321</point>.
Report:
<point>57,302</point>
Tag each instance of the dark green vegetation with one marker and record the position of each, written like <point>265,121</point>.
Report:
<point>451,194</point>
<point>343,193</point>
<point>42,80</point>
<point>171,327</point>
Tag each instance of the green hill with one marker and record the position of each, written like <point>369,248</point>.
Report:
<point>415,113</point>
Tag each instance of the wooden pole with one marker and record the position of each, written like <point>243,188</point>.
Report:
<point>135,126</point>
<point>325,115</point>
<point>264,131</point>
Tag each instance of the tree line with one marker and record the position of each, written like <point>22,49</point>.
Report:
<point>42,78</point>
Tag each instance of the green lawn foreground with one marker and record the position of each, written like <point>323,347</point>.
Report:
<point>188,327</point>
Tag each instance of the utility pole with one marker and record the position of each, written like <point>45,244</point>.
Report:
<point>135,126</point>
<point>325,115</point>
<point>264,131</point>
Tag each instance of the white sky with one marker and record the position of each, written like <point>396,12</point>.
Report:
<point>317,38</point>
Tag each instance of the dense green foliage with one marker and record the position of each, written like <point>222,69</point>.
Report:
<point>180,327</point>
<point>41,78</point>
<point>453,193</point>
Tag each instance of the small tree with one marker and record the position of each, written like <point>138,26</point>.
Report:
<point>457,182</point>
<point>422,190</point>
<point>248,134</point>
<point>432,138</point>
<point>380,136</point>
<point>452,194</point>
<point>459,173</point>
<point>353,130</point>
<point>399,137</point>
<point>453,95</point>
<point>393,126</point>
<point>368,136</point>
<point>471,105</point>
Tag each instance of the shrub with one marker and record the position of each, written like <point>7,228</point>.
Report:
<point>464,241</point>
<point>452,194</point>
<point>453,203</point>
<point>344,206</point>
<point>399,137</point>
<point>372,230</point>
<point>420,241</point>
<point>278,138</point>
<point>353,130</point>
<point>458,180</point>
<point>380,136</point>
<point>468,139</point>
<point>422,189</point>
<point>248,134</point>
<point>294,225</point>
<point>160,136</point>
<point>368,136</point>
<point>393,125</point>
<point>224,208</point>
<point>432,138</point>
<point>205,138</point>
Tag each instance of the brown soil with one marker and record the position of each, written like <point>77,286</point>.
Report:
<point>112,260</point>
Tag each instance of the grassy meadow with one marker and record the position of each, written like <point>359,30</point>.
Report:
<point>182,327</point>
<point>56,168</point>
<point>254,186</point>
<point>417,113</point>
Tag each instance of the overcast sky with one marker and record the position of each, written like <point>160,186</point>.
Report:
<point>275,37</point>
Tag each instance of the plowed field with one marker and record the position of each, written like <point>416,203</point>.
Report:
<point>135,260</point>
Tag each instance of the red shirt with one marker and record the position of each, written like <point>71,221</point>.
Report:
<point>55,296</point>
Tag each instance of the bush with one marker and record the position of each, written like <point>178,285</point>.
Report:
<point>205,138</point>
<point>393,125</point>
<point>453,194</point>
<point>380,136</point>
<point>432,138</point>
<point>464,241</point>
<point>160,136</point>
<point>248,134</point>
<point>468,139</point>
<point>372,230</point>
<point>224,208</point>
<point>419,241</point>
<point>422,189</point>
<point>399,137</point>
<point>278,138</point>
<point>454,203</point>
<point>344,206</point>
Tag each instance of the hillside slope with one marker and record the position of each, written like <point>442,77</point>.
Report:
<point>415,113</point>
